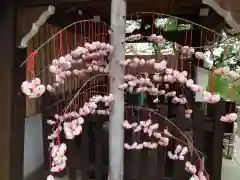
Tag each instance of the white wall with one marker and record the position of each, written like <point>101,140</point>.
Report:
<point>33,144</point>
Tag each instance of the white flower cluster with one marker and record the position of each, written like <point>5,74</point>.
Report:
<point>33,89</point>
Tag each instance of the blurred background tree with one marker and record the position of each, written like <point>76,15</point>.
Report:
<point>225,52</point>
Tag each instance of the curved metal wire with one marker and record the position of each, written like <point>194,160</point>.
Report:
<point>166,119</point>
<point>175,17</point>
<point>65,28</point>
<point>82,92</point>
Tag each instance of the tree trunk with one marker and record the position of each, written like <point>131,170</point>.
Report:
<point>116,132</point>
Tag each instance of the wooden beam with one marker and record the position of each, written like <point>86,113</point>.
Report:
<point>25,19</point>
<point>26,3</point>
<point>12,107</point>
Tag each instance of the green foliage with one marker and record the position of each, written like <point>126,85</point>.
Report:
<point>227,89</point>
<point>171,24</point>
<point>226,53</point>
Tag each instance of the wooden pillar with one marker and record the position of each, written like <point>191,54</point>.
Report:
<point>217,146</point>
<point>116,132</point>
<point>12,106</point>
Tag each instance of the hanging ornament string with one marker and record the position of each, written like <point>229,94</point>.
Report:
<point>172,64</point>
<point>89,31</point>
<point>31,65</point>
<point>153,23</point>
<point>54,46</point>
<point>213,69</point>
<point>172,67</point>
<point>92,31</point>
<point>200,162</point>
<point>58,127</point>
<point>70,110</point>
<point>99,31</point>
<point>190,60</point>
<point>95,33</point>
<point>185,43</point>
<point>179,68</point>
<point>102,33</point>
<point>158,30</point>
<point>81,33</point>
<point>61,51</point>
<point>75,105</point>
<point>160,26</point>
<point>191,38</point>
<point>67,46</point>
<point>84,30</point>
<point>186,37</point>
<point>75,36</point>
<point>78,102</point>
<point>104,39</point>
<point>198,60</point>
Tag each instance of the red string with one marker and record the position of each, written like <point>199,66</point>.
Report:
<point>186,36</point>
<point>95,28</point>
<point>102,33</point>
<point>67,42</point>
<point>54,47</point>
<point>75,35</point>
<point>172,64</point>
<point>84,33</point>
<point>70,109</point>
<point>78,102</point>
<point>61,51</point>
<point>190,69</point>
<point>89,30</point>
<point>75,104</point>
<point>58,134</point>
<point>160,26</point>
<point>99,31</point>
<point>213,68</point>
<point>191,39</point>
<point>58,128</point>
<point>182,64</point>
<point>190,63</point>
<point>92,27</point>
<point>153,23</point>
<point>31,64</point>
<point>178,65</point>
<point>197,70</point>
<point>104,29</point>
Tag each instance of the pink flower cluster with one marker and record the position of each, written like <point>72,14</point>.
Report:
<point>179,153</point>
<point>229,118</point>
<point>151,130</point>
<point>193,170</point>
